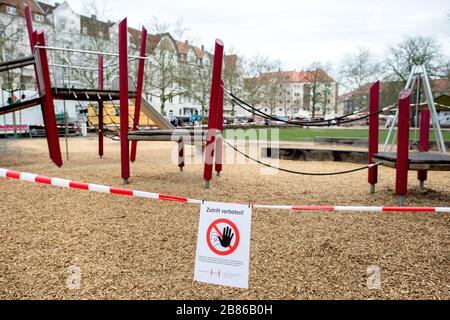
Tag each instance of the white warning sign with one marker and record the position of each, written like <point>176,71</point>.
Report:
<point>223,245</point>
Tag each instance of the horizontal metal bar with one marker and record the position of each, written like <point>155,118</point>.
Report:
<point>16,66</point>
<point>17,61</point>
<point>73,67</point>
<point>99,53</point>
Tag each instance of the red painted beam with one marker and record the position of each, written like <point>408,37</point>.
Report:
<point>213,110</point>
<point>124,112</point>
<point>219,140</point>
<point>139,89</point>
<point>424,145</point>
<point>47,102</point>
<point>374,132</point>
<point>403,144</point>
<point>32,35</point>
<point>101,86</point>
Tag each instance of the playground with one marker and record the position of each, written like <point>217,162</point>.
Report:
<point>317,227</point>
<point>129,248</point>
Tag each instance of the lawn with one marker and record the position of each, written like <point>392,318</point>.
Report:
<point>302,134</point>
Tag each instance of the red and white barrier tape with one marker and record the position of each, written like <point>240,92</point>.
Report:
<point>28,177</point>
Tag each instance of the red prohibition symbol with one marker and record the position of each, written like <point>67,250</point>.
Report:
<point>215,227</point>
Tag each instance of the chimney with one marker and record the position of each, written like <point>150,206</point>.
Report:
<point>186,42</point>
<point>94,17</point>
<point>203,48</point>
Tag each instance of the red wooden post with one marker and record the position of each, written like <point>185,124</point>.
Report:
<point>425,117</point>
<point>212,117</point>
<point>32,35</point>
<point>101,86</point>
<point>47,101</point>
<point>124,95</point>
<point>140,85</point>
<point>219,140</point>
<point>403,146</point>
<point>374,131</point>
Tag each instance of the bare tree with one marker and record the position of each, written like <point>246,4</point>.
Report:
<point>233,77</point>
<point>196,82</point>
<point>356,70</point>
<point>11,33</point>
<point>419,50</point>
<point>359,68</point>
<point>274,95</point>
<point>254,84</point>
<point>95,36</point>
<point>317,87</point>
<point>164,79</point>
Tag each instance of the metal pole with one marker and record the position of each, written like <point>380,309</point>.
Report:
<point>374,133</point>
<point>98,53</point>
<point>432,106</point>
<point>409,83</point>
<point>66,121</point>
<point>139,88</point>
<point>403,146</point>
<point>101,85</point>
<point>4,116</point>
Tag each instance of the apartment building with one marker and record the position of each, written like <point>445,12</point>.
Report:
<point>298,94</point>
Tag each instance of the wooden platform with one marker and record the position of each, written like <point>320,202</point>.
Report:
<point>429,161</point>
<point>88,95</point>
<point>166,135</point>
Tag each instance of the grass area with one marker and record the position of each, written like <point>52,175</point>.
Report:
<point>301,134</point>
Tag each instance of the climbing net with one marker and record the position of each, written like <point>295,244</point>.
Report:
<point>111,122</point>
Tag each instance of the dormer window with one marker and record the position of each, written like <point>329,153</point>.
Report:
<point>11,10</point>
<point>38,17</point>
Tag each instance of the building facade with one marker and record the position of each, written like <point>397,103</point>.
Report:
<point>177,74</point>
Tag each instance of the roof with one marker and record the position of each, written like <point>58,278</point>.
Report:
<point>230,61</point>
<point>47,8</point>
<point>439,86</point>
<point>21,4</point>
<point>298,76</point>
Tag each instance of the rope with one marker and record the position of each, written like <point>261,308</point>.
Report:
<point>114,136</point>
<point>302,173</point>
<point>320,123</point>
<point>76,185</point>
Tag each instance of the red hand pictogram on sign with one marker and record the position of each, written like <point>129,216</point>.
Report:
<point>214,227</point>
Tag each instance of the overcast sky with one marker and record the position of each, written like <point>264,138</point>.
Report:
<point>296,32</point>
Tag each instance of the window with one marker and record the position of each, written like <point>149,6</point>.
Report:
<point>38,17</point>
<point>85,30</point>
<point>101,34</point>
<point>11,10</point>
